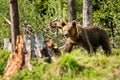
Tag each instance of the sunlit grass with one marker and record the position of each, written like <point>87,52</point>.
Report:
<point>3,60</point>
<point>76,65</point>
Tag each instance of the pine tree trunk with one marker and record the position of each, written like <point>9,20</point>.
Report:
<point>87,13</point>
<point>71,10</point>
<point>14,21</point>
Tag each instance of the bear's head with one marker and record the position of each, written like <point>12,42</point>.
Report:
<point>49,43</point>
<point>69,29</point>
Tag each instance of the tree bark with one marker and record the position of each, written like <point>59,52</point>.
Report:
<point>16,59</point>
<point>87,13</point>
<point>72,10</point>
<point>14,21</point>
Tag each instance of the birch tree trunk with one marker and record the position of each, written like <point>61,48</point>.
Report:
<point>14,21</point>
<point>71,10</point>
<point>87,13</point>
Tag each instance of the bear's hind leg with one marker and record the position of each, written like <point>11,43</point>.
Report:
<point>106,48</point>
<point>94,50</point>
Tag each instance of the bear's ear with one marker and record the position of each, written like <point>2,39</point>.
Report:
<point>63,23</point>
<point>73,23</point>
<point>49,42</point>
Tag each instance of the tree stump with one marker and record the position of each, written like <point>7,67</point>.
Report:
<point>16,60</point>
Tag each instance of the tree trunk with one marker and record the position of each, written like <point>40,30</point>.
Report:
<point>71,10</point>
<point>14,21</point>
<point>87,13</point>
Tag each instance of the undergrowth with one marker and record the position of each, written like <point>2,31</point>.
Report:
<point>3,60</point>
<point>74,66</point>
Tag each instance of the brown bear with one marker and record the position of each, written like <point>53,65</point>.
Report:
<point>54,50</point>
<point>90,38</point>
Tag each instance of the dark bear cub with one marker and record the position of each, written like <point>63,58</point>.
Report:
<point>54,50</point>
<point>90,38</point>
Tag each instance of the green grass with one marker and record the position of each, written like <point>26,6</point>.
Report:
<point>74,66</point>
<point>3,60</point>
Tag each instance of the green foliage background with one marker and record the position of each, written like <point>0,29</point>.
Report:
<point>39,13</point>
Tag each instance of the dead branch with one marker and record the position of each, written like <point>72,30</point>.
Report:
<point>7,20</point>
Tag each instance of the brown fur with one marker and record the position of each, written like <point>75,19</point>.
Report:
<point>55,51</point>
<point>90,38</point>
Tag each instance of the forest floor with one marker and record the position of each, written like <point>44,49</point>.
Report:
<point>74,66</point>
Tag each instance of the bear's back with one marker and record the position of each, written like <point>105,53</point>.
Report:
<point>95,34</point>
<point>95,30</point>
